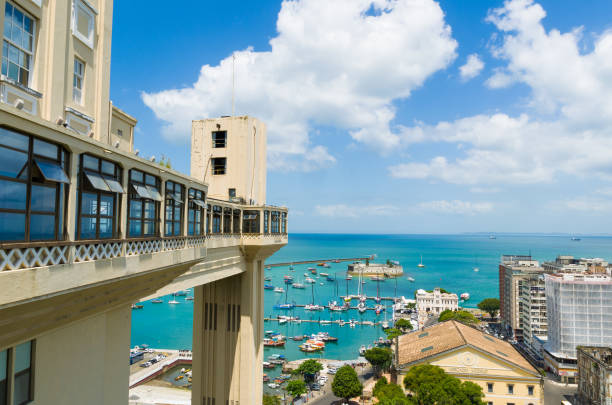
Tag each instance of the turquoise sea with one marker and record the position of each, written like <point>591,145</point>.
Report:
<point>449,261</point>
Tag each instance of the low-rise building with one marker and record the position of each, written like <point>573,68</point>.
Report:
<point>579,312</point>
<point>594,375</point>
<point>430,304</point>
<point>464,352</point>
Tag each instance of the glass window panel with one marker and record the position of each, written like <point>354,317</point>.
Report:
<point>42,227</point>
<point>12,226</point>
<point>107,203</point>
<point>13,72</point>
<point>90,162</point>
<point>149,228</point>
<point>83,23</point>
<point>13,195</point>
<point>3,365</point>
<point>97,181</point>
<point>13,163</point>
<point>136,209</point>
<point>22,390</point>
<point>150,180</point>
<point>106,227</point>
<point>114,185</point>
<point>42,198</point>
<point>190,229</point>
<point>4,66</point>
<point>168,212</point>
<point>16,34</point>
<point>178,197</point>
<point>13,139</point>
<point>154,193</point>
<point>177,213</point>
<point>22,356</point>
<point>168,230</point>
<point>191,215</point>
<point>136,175</point>
<point>52,172</point>
<point>142,191</point>
<point>46,149</point>
<point>108,168</point>
<point>135,227</point>
<point>149,210</point>
<point>89,203</point>
<point>28,25</point>
<point>88,227</point>
<point>177,229</point>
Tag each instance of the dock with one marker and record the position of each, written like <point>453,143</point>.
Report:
<point>326,322</point>
<point>340,259</point>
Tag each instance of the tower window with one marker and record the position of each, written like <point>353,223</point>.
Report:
<point>219,165</point>
<point>219,139</point>
<point>232,193</point>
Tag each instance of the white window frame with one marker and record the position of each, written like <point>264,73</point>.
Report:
<point>33,52</point>
<point>85,7</point>
<point>75,89</point>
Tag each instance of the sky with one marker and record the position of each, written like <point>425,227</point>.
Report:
<point>390,116</point>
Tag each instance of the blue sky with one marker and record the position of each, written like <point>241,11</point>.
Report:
<point>391,116</point>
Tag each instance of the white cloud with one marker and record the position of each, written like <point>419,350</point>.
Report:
<point>587,205</point>
<point>485,190</point>
<point>457,207</point>
<point>332,63</point>
<point>567,130</point>
<point>346,211</point>
<point>472,67</point>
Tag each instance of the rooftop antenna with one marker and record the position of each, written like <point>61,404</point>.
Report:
<point>233,81</point>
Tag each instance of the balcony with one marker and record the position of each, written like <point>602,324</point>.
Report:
<point>95,214</point>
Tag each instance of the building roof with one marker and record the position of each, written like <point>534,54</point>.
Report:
<point>450,335</point>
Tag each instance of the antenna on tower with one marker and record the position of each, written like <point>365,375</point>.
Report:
<point>233,81</point>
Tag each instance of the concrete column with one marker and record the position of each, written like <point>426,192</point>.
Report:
<point>73,197</point>
<point>251,334</point>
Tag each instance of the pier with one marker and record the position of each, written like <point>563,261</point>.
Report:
<point>324,321</point>
<point>346,259</point>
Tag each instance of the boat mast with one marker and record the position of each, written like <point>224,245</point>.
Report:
<point>312,285</point>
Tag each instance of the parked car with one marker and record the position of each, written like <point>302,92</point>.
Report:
<point>316,387</point>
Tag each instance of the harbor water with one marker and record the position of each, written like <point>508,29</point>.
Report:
<point>449,263</point>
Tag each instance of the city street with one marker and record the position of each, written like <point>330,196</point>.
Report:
<point>555,392</point>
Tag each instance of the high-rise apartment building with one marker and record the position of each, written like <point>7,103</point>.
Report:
<point>87,227</point>
<point>512,270</point>
<point>579,311</point>
<point>532,307</point>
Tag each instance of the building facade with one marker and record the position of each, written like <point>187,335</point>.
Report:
<point>430,304</point>
<point>594,375</point>
<point>579,311</point>
<point>470,355</point>
<point>532,308</point>
<point>512,270</point>
<point>88,227</point>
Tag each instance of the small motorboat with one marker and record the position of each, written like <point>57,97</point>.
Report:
<point>321,264</point>
<point>465,296</point>
<point>190,298</point>
<point>362,350</point>
<point>137,306</point>
<point>411,279</point>
<point>279,290</point>
<point>157,301</point>
<point>268,287</point>
<point>324,274</point>
<point>298,286</point>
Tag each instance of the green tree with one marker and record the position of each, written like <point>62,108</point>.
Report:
<point>309,369</point>
<point>392,394</point>
<point>382,381</point>
<point>296,388</point>
<point>392,333</point>
<point>460,316</point>
<point>270,400</point>
<point>379,358</point>
<point>346,384</point>
<point>490,305</point>
<point>430,385</point>
<point>403,324</point>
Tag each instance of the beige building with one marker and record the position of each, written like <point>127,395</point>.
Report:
<point>594,375</point>
<point>512,270</point>
<point>87,227</point>
<point>430,304</point>
<point>470,355</point>
<point>532,308</point>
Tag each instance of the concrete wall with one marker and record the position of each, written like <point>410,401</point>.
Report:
<point>245,152</point>
<point>85,362</point>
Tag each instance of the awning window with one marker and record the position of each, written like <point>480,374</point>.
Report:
<point>142,191</point>
<point>199,203</point>
<point>154,193</point>
<point>97,181</point>
<point>176,197</point>
<point>114,185</point>
<point>52,171</point>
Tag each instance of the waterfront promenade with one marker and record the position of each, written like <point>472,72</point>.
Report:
<point>172,358</point>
